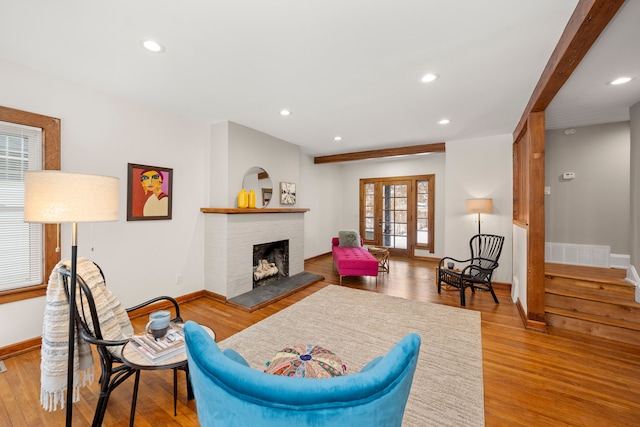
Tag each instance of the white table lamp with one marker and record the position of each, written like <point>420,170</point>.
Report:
<point>479,206</point>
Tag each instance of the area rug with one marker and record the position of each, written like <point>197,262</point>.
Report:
<point>359,325</point>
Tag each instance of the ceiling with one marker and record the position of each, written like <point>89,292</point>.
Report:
<point>348,68</point>
<point>586,98</point>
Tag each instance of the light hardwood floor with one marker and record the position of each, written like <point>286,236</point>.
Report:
<point>530,378</point>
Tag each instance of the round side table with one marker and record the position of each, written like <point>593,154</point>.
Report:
<point>132,357</point>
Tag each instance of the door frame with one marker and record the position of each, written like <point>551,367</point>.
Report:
<point>412,219</point>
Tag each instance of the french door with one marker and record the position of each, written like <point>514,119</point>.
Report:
<point>396,213</point>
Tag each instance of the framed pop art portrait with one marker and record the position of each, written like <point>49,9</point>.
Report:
<point>149,192</point>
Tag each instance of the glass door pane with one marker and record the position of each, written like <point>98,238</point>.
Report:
<point>369,212</point>
<point>422,216</point>
<point>394,216</point>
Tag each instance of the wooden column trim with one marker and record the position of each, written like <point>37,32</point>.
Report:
<point>536,219</point>
<point>587,22</point>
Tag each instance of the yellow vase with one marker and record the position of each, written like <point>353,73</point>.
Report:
<point>242,199</point>
<point>252,199</point>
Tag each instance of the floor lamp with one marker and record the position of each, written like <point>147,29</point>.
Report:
<point>54,197</point>
<point>479,206</point>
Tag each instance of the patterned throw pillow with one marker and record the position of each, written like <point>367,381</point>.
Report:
<point>348,239</point>
<point>307,361</point>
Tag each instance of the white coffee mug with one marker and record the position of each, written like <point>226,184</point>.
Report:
<point>158,323</point>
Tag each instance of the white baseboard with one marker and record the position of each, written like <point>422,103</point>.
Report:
<point>589,255</point>
<point>622,261</point>
<point>576,254</point>
<point>634,279</point>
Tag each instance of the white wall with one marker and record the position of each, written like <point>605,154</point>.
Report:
<point>352,172</point>
<point>249,148</point>
<point>593,208</point>
<point>470,168</point>
<point>320,190</point>
<point>100,135</point>
<point>218,183</point>
<point>479,168</point>
<point>520,262</point>
<point>634,137</point>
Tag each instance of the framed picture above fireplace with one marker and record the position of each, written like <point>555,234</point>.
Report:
<point>287,193</point>
<point>149,192</point>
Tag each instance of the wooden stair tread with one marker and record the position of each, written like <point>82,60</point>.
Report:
<point>594,301</point>
<point>592,274</point>
<point>562,283</point>
<point>594,295</point>
<point>593,286</point>
<point>594,318</point>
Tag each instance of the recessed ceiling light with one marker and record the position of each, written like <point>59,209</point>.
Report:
<point>428,78</point>
<point>152,46</point>
<point>444,122</point>
<point>621,80</point>
<point>285,112</point>
<point>337,138</point>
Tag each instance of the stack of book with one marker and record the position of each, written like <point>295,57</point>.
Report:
<point>157,350</point>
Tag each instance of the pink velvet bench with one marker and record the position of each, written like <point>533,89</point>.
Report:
<point>353,261</point>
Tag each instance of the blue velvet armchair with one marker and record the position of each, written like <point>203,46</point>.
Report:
<point>230,393</point>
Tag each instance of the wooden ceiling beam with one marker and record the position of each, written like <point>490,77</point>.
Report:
<point>438,147</point>
<point>587,22</point>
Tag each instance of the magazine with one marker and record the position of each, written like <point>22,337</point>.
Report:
<point>156,350</point>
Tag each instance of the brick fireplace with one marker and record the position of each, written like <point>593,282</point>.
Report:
<point>230,236</point>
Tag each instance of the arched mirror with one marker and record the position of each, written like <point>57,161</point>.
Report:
<point>257,179</point>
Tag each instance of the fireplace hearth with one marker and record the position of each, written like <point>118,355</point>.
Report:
<point>270,262</point>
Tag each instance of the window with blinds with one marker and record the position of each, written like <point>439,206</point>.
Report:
<point>21,247</point>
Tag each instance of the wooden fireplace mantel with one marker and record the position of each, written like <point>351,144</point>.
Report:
<point>233,211</point>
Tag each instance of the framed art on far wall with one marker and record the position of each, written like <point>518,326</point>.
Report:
<point>287,193</point>
<point>149,192</point>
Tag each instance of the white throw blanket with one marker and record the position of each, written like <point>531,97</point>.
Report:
<point>114,324</point>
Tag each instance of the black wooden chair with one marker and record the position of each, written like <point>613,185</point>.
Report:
<point>475,272</point>
<point>114,370</point>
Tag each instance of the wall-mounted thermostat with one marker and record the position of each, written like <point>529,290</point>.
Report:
<point>568,175</point>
